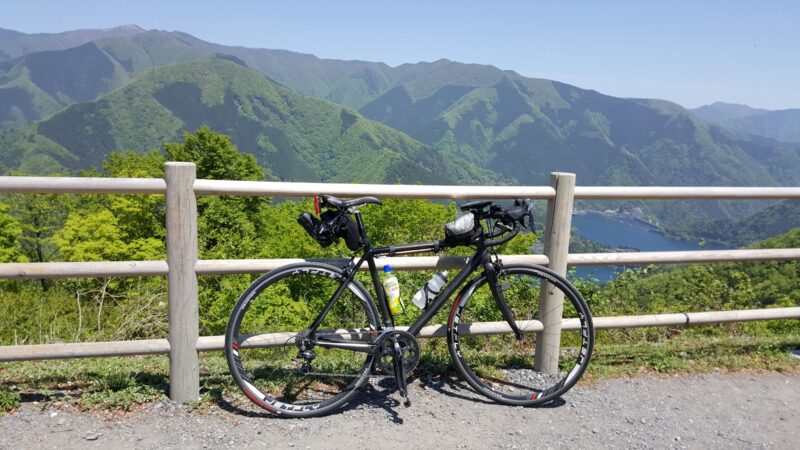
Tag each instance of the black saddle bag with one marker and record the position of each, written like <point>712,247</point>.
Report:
<point>331,226</point>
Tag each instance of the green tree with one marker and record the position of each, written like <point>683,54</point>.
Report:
<point>10,233</point>
<point>405,221</point>
<point>215,156</point>
<point>118,227</point>
<point>98,236</point>
<point>228,227</point>
<point>40,216</point>
<point>140,217</point>
<point>91,237</point>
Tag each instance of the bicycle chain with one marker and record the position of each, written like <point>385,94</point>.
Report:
<point>347,375</point>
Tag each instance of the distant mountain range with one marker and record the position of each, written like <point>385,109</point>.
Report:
<point>14,44</point>
<point>525,128</point>
<point>771,221</point>
<point>73,97</point>
<point>295,137</point>
<point>782,125</point>
<point>41,83</point>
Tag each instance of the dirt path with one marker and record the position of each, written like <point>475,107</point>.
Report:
<point>710,411</point>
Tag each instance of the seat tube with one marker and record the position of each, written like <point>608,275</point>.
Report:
<point>383,304</point>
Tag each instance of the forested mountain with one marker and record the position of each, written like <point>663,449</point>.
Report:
<point>39,84</point>
<point>781,125</point>
<point>719,112</point>
<point>293,136</point>
<point>773,220</point>
<point>476,123</point>
<point>14,43</point>
<point>525,128</point>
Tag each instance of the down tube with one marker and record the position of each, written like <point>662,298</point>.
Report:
<point>448,291</point>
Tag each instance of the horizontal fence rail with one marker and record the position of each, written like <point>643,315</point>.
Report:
<point>216,343</point>
<point>224,187</point>
<point>685,193</point>
<point>559,194</point>
<point>82,185</point>
<point>53,270</point>
<point>75,185</point>
<point>674,257</point>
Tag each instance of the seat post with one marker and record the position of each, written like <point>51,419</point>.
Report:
<point>361,229</point>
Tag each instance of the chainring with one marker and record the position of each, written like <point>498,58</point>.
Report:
<point>408,345</point>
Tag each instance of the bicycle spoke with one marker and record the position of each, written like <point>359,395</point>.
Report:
<point>282,366</point>
<point>501,366</point>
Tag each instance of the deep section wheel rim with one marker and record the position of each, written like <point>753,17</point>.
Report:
<point>503,368</point>
<point>282,378</point>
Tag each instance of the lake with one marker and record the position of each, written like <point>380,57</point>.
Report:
<point>616,232</point>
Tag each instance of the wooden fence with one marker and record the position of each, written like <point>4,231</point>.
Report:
<point>182,266</point>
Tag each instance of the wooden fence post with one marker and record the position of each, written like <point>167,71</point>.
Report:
<point>556,247</point>
<point>184,321</point>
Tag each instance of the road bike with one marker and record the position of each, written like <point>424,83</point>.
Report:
<point>303,338</point>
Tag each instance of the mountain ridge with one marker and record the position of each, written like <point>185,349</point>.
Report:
<point>477,123</point>
<point>285,130</point>
<point>14,44</point>
<point>782,125</point>
<point>571,119</point>
<point>351,83</point>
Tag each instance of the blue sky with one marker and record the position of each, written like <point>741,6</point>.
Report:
<point>690,52</point>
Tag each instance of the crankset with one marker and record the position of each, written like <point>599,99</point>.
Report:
<point>408,346</point>
<point>398,353</point>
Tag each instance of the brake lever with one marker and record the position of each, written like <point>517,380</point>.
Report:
<point>529,215</point>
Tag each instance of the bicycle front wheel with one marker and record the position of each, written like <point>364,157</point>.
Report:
<point>500,366</point>
<point>271,319</point>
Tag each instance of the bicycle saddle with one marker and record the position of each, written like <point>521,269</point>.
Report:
<point>334,202</point>
<point>475,205</point>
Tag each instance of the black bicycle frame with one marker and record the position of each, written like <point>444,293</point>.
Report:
<point>481,258</point>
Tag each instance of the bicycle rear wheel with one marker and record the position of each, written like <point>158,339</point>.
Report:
<point>498,365</point>
<point>268,321</point>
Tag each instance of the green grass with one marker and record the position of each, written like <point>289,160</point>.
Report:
<point>8,401</point>
<point>696,354</point>
<point>125,383</point>
<point>115,383</point>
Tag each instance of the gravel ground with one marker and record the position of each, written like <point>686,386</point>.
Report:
<point>708,411</point>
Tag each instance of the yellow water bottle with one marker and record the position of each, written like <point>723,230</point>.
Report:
<point>392,288</point>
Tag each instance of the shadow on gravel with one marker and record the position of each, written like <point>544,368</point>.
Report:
<point>60,387</point>
<point>370,397</point>
<point>216,395</point>
<point>457,388</point>
<point>381,394</point>
<point>453,387</point>
<point>39,396</point>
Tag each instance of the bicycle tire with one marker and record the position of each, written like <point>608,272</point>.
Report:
<point>274,377</point>
<point>503,368</point>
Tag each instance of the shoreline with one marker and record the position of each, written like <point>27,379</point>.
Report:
<point>616,214</point>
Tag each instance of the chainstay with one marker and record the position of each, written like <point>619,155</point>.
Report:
<point>347,375</point>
